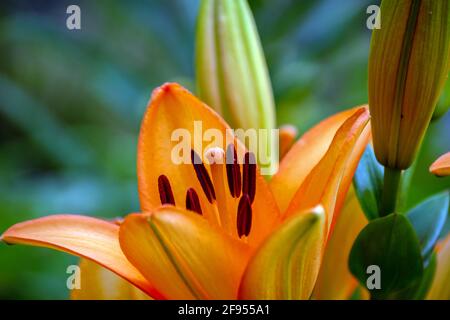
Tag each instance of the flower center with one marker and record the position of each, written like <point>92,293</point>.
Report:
<point>215,189</point>
<point>203,176</point>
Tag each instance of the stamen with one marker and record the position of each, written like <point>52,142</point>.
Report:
<point>216,159</point>
<point>192,201</point>
<point>165,190</point>
<point>233,171</point>
<point>203,176</point>
<point>244,216</point>
<point>249,176</point>
<point>215,155</point>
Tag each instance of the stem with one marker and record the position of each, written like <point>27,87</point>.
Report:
<point>391,186</point>
<point>405,185</point>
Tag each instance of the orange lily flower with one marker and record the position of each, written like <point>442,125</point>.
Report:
<point>211,230</point>
<point>98,283</point>
<point>335,280</point>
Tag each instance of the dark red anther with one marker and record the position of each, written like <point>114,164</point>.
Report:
<point>203,176</point>
<point>244,216</point>
<point>192,201</point>
<point>229,167</point>
<point>249,176</point>
<point>165,190</point>
<point>233,171</point>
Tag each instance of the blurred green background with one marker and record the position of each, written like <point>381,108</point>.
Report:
<point>71,103</point>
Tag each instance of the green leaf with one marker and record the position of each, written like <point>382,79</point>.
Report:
<point>368,183</point>
<point>428,219</point>
<point>391,244</point>
<point>420,288</point>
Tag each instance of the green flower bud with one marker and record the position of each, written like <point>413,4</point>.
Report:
<point>231,70</point>
<point>408,67</point>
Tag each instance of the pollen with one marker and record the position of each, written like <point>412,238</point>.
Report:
<point>165,190</point>
<point>192,201</point>
<point>233,171</point>
<point>249,176</point>
<point>244,216</point>
<point>203,176</point>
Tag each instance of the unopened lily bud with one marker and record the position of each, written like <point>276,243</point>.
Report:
<point>231,71</point>
<point>408,67</point>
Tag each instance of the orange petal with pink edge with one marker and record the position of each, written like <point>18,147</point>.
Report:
<point>303,156</point>
<point>287,263</point>
<point>335,282</point>
<point>176,118</point>
<point>98,283</point>
<point>325,183</point>
<point>441,167</point>
<point>440,288</point>
<point>182,255</point>
<point>86,237</point>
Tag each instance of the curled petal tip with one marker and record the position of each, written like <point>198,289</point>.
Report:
<point>441,167</point>
<point>165,90</point>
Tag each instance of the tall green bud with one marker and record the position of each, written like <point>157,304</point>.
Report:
<point>231,70</point>
<point>408,67</point>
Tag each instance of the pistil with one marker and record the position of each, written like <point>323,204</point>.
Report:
<point>216,161</point>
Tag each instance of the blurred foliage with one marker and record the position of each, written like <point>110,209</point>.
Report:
<point>71,103</point>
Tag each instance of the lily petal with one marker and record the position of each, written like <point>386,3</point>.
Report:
<point>182,255</point>
<point>440,289</point>
<point>326,183</point>
<point>98,283</point>
<point>86,237</point>
<point>441,167</point>
<point>287,264</point>
<point>304,155</point>
<point>287,139</point>
<point>174,109</point>
<point>335,282</point>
